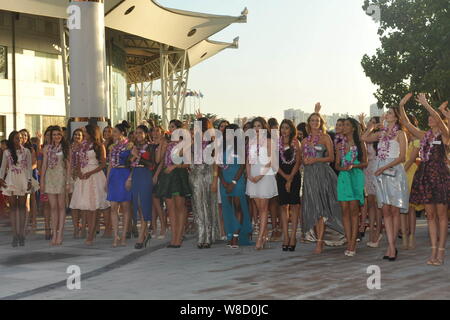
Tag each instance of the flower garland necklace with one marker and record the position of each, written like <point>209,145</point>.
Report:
<point>385,142</point>
<point>309,147</point>
<point>116,150</point>
<point>79,155</point>
<point>426,145</point>
<point>21,165</point>
<point>353,149</point>
<point>141,151</point>
<point>52,152</point>
<point>339,138</point>
<point>281,150</point>
<point>168,156</point>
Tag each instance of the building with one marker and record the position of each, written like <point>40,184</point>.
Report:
<point>375,111</point>
<point>144,45</point>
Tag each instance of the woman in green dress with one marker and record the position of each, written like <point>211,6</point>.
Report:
<point>352,155</point>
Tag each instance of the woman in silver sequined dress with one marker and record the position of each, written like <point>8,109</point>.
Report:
<point>390,177</point>
<point>204,180</point>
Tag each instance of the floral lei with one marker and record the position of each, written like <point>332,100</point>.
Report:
<point>426,144</point>
<point>116,150</point>
<point>141,151</point>
<point>339,138</point>
<point>168,155</point>
<point>281,150</point>
<point>385,142</point>
<point>52,152</point>
<point>22,165</point>
<point>345,162</point>
<point>79,155</point>
<point>309,147</point>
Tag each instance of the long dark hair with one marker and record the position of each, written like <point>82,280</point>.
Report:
<point>123,127</point>
<point>375,144</point>
<point>27,144</point>
<point>233,127</point>
<point>11,146</point>
<point>302,128</point>
<point>94,132</point>
<point>264,124</point>
<point>293,132</point>
<point>64,144</point>
<point>146,131</point>
<point>356,136</point>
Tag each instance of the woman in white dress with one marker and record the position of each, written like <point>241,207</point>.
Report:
<point>17,166</point>
<point>89,191</point>
<point>261,182</point>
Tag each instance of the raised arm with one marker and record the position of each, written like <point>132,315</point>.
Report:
<point>369,136</point>
<point>422,99</point>
<point>416,132</point>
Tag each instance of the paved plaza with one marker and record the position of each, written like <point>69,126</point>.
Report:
<point>38,271</point>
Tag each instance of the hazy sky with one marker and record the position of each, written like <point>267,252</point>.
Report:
<point>292,54</point>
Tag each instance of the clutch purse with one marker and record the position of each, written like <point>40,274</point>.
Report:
<point>391,172</point>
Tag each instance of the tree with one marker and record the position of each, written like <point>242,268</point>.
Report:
<point>414,54</point>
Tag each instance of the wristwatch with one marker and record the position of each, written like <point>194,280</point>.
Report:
<point>233,182</point>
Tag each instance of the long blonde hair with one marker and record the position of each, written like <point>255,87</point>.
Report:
<point>323,125</point>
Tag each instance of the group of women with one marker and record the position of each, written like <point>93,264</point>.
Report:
<point>386,170</point>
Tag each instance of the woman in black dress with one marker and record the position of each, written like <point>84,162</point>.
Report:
<point>289,182</point>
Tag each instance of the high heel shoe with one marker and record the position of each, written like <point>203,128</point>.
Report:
<point>291,248</point>
<point>394,258</point>
<point>15,241</point>
<point>147,240</point>
<point>261,245</point>
<point>138,246</point>
<point>21,241</point>
<point>285,248</point>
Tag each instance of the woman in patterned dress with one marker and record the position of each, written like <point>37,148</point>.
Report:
<point>16,166</point>
<point>431,184</point>
<point>55,180</point>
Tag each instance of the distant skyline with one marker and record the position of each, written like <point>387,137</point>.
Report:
<point>292,54</point>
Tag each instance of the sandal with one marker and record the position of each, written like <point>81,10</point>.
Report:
<point>234,241</point>
<point>439,262</point>
<point>431,261</point>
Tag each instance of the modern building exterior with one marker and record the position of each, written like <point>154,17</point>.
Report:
<point>34,58</point>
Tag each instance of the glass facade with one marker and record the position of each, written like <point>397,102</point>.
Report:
<point>35,123</point>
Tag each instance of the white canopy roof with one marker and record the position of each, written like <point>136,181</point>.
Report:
<point>148,20</point>
<point>144,18</point>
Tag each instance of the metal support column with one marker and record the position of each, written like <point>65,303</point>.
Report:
<point>174,78</point>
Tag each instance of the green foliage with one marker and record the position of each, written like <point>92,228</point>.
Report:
<point>414,54</point>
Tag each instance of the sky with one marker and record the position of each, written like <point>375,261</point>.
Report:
<point>292,54</point>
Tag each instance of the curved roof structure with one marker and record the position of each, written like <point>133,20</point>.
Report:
<point>146,24</point>
<point>180,29</point>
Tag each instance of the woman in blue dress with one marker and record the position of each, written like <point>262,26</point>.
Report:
<point>142,162</point>
<point>118,174</point>
<point>236,214</point>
